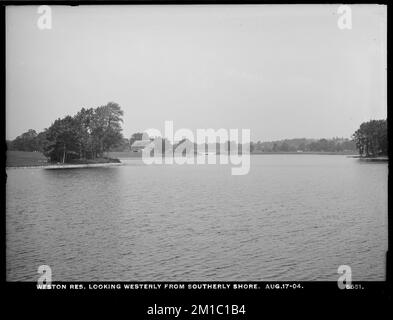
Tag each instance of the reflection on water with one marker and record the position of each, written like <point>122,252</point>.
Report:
<point>293,217</point>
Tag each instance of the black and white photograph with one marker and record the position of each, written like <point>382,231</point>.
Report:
<point>196,143</point>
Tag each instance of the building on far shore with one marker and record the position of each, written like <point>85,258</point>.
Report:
<point>139,145</point>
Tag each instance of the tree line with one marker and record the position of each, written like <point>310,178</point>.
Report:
<point>91,132</point>
<point>86,135</point>
<point>305,145</point>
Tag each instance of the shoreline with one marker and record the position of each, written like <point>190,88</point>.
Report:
<point>307,153</point>
<point>49,166</point>
<point>83,165</point>
<point>40,163</point>
<point>138,155</point>
<point>68,166</point>
<point>26,159</point>
<point>379,158</point>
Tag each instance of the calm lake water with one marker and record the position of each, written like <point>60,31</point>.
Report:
<point>293,217</point>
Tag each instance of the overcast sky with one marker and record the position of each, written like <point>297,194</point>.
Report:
<point>283,71</point>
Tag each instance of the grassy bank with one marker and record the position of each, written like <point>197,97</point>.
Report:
<point>124,154</point>
<point>94,161</point>
<point>25,159</point>
<point>37,159</point>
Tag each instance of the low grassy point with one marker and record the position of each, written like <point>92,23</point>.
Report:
<point>25,159</point>
<point>374,159</point>
<point>124,154</point>
<point>37,159</point>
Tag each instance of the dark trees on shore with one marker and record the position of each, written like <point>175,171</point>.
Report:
<point>62,137</point>
<point>86,135</point>
<point>92,132</point>
<point>371,138</point>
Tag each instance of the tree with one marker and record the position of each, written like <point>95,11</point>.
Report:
<point>124,145</point>
<point>371,138</point>
<point>84,123</point>
<point>25,142</point>
<point>62,137</point>
<point>284,147</point>
<point>41,141</point>
<point>106,128</point>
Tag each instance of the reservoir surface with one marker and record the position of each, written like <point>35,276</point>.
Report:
<point>292,217</point>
